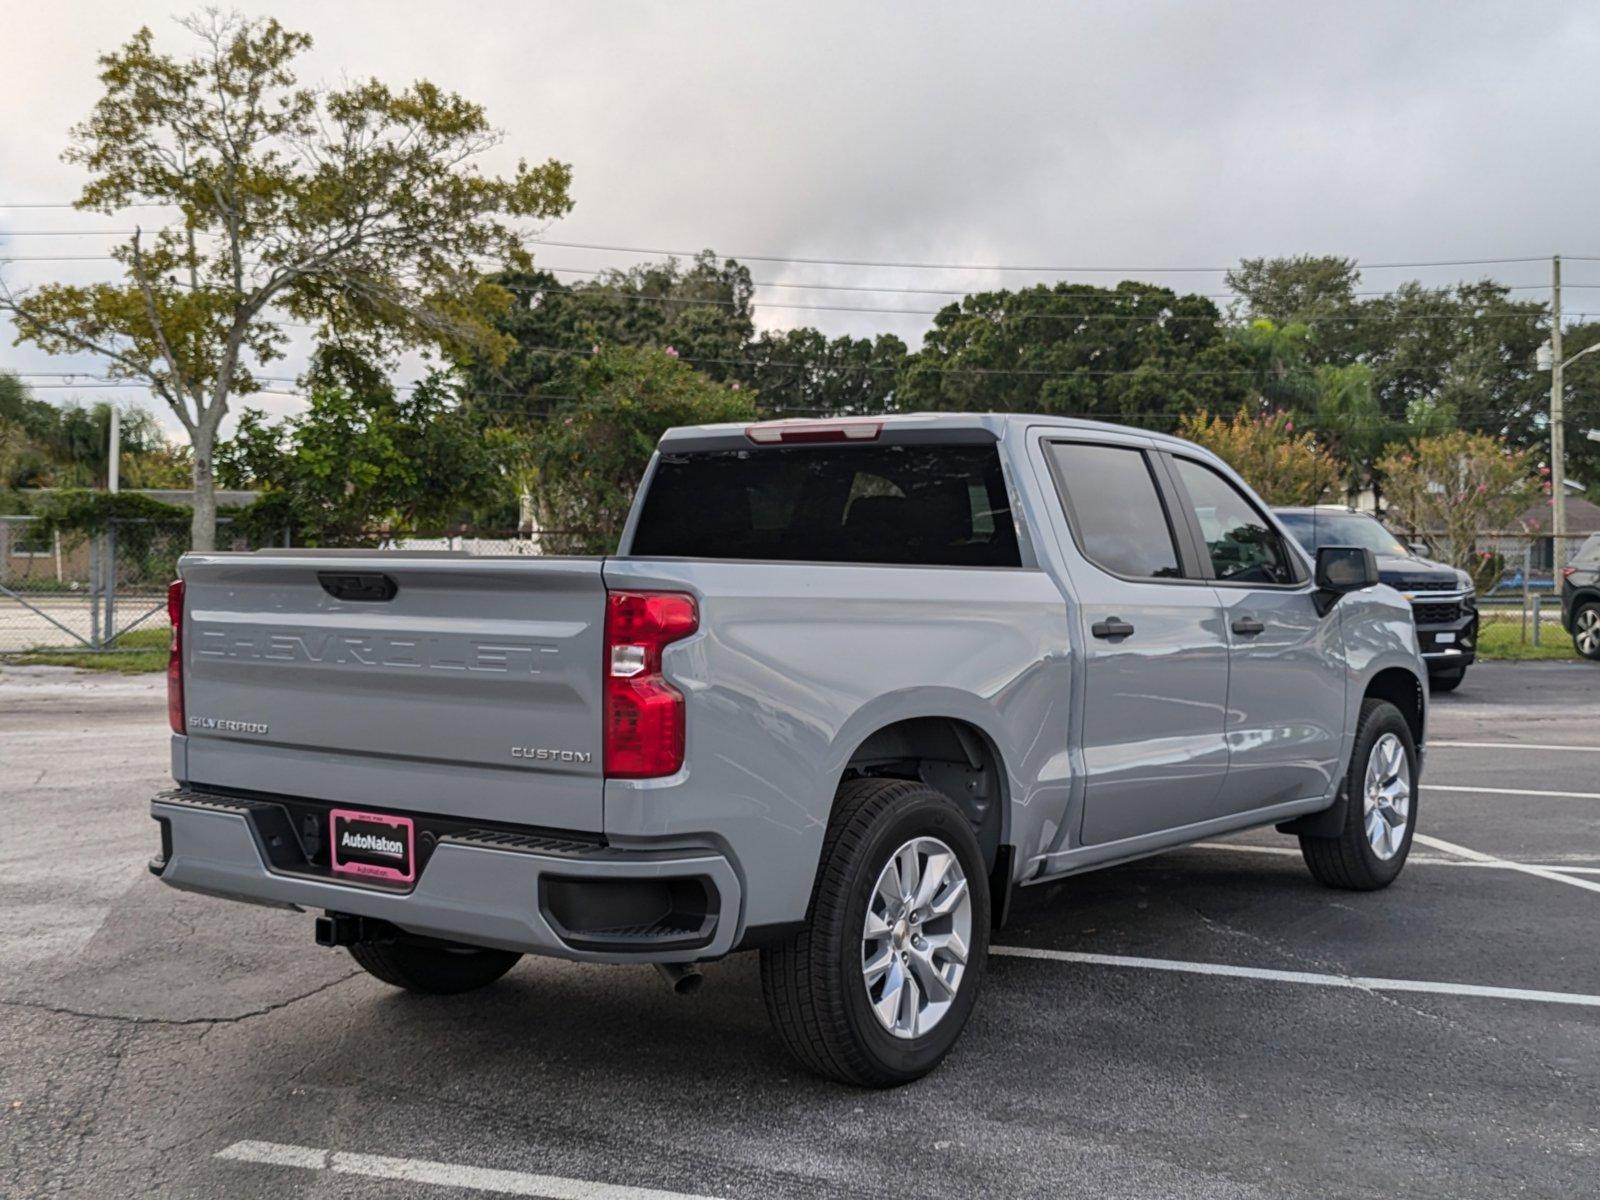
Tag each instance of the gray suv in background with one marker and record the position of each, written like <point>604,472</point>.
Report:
<point>1580,598</point>
<point>845,687</point>
<point>1443,599</point>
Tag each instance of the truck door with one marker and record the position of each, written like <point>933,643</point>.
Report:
<point>1154,647</point>
<point>1286,686</point>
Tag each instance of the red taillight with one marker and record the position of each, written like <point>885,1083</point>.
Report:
<point>644,713</point>
<point>175,656</point>
<point>1568,572</point>
<point>772,433</point>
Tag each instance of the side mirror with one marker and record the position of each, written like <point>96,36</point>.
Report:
<point>1420,549</point>
<point>1342,569</point>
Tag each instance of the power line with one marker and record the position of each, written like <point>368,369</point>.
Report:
<point>1043,270</point>
<point>936,266</point>
<point>704,302</point>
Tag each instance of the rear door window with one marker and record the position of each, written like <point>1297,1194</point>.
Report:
<point>915,505</point>
<point>1115,510</point>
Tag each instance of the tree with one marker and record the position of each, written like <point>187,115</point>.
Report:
<point>66,445</point>
<point>592,452</point>
<point>1453,488</point>
<point>1134,353</point>
<point>804,372</point>
<point>363,458</point>
<point>701,310</point>
<point>358,209</point>
<point>1283,466</point>
<point>1290,291</point>
<point>1281,375</point>
<point>1469,347</point>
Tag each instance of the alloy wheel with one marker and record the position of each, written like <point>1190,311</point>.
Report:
<point>1586,631</point>
<point>1386,796</point>
<point>915,937</point>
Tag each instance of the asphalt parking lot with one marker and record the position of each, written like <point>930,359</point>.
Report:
<point>1208,1023</point>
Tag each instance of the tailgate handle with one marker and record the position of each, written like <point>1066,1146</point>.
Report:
<point>357,585</point>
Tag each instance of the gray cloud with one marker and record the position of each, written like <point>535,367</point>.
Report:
<point>1140,134</point>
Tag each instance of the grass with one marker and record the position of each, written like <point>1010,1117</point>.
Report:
<point>1503,640</point>
<point>141,651</point>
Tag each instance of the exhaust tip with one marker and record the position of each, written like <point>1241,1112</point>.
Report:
<point>683,979</point>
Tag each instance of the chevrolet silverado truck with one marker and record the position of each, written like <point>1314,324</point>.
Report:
<point>844,689</point>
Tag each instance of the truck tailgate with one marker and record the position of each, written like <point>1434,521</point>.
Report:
<point>472,689</point>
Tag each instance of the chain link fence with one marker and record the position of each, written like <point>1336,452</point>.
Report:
<point>107,591</point>
<point>102,591</point>
<point>1518,578</point>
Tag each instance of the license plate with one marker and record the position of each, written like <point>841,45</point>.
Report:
<point>372,844</point>
<point>1444,639</point>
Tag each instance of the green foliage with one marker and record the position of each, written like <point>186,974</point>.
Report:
<point>1135,353</point>
<point>1294,291</point>
<point>1466,350</point>
<point>75,512</point>
<point>364,459</point>
<point>802,371</point>
<point>359,209</point>
<point>591,454</point>
<point>1284,466</point>
<point>49,445</point>
<point>1583,406</point>
<point>702,311</point>
<point>149,534</point>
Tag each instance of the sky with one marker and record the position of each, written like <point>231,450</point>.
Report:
<point>1135,135</point>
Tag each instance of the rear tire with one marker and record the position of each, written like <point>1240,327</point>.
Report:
<point>1447,681</point>
<point>1586,630</point>
<point>873,991</point>
<point>433,970</point>
<point>1380,818</point>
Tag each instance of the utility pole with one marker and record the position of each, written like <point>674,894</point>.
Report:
<point>114,460</point>
<point>1558,434</point>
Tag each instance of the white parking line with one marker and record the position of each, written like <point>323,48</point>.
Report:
<point>1515,746</point>
<point>1358,982</point>
<point>1505,864</point>
<point>1503,791</point>
<point>1416,860</point>
<point>416,1170</point>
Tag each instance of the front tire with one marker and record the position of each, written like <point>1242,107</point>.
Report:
<point>441,970</point>
<point>1446,681</point>
<point>1380,807</point>
<point>877,987</point>
<point>1586,630</point>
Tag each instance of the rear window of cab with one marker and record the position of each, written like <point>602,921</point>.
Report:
<point>909,505</point>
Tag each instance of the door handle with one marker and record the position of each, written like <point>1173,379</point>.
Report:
<point>1111,627</point>
<point>1248,627</point>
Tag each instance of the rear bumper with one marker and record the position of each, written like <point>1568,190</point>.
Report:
<point>580,903</point>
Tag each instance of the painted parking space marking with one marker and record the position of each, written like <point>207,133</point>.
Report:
<point>1416,860</point>
<point>1506,864</point>
<point>1362,983</point>
<point>1502,791</point>
<point>442,1174</point>
<point>1514,746</point>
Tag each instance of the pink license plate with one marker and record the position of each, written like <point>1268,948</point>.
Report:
<point>375,845</point>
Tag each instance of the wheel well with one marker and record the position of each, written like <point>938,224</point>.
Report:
<point>1403,690</point>
<point>950,756</point>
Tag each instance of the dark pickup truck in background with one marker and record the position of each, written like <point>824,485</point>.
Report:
<point>1443,599</point>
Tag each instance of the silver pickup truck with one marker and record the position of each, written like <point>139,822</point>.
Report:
<point>844,688</point>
